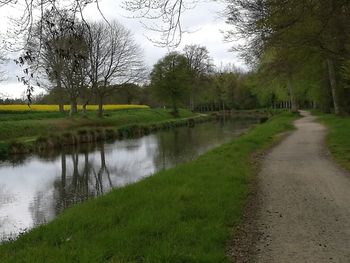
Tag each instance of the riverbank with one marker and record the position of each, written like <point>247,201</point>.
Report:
<point>184,214</point>
<point>33,124</point>
<point>338,139</point>
<point>26,132</point>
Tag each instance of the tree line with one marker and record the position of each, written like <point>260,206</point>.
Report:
<point>298,52</point>
<point>298,49</point>
<point>81,61</point>
<point>186,78</point>
<point>99,62</point>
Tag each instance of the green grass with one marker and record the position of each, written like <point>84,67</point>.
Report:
<point>27,115</point>
<point>17,125</point>
<point>185,214</point>
<point>338,137</point>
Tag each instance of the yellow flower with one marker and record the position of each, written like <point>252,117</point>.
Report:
<point>54,108</point>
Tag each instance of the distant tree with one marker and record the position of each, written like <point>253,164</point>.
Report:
<point>114,57</point>
<point>170,79</point>
<point>129,93</point>
<point>315,29</point>
<point>200,64</point>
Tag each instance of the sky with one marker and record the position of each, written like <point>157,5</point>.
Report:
<point>204,23</point>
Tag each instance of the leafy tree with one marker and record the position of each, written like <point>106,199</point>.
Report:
<point>296,31</point>
<point>199,64</point>
<point>170,79</point>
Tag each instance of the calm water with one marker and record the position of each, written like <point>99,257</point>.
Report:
<point>35,189</point>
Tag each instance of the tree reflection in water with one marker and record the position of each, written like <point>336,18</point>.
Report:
<point>81,178</point>
<point>42,186</point>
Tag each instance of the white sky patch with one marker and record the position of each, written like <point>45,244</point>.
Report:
<point>17,90</point>
<point>204,23</point>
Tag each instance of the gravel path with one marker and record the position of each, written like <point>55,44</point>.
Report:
<point>304,201</point>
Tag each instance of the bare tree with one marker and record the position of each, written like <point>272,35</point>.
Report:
<point>115,59</point>
<point>29,26</point>
<point>3,60</point>
<point>167,12</point>
<point>32,11</point>
<point>60,51</point>
<point>75,70</point>
<point>49,49</point>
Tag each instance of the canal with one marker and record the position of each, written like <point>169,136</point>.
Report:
<point>36,188</point>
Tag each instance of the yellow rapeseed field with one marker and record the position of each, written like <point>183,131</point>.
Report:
<point>66,107</point>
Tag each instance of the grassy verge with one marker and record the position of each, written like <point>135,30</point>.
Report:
<point>338,139</point>
<point>184,214</point>
<point>14,126</point>
<point>27,132</point>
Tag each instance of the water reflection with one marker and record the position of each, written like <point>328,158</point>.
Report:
<point>34,190</point>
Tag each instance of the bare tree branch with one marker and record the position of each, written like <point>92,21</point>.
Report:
<point>166,15</point>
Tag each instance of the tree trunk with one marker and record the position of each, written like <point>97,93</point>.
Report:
<point>86,172</point>
<point>60,94</point>
<point>294,106</point>
<point>73,107</point>
<point>75,161</point>
<point>63,180</point>
<point>100,106</point>
<point>84,110</point>
<point>64,170</point>
<point>333,83</point>
<point>192,100</point>
<point>61,107</point>
<point>175,110</point>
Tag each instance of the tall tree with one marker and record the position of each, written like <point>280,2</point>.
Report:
<point>114,57</point>
<point>170,79</point>
<point>59,52</point>
<point>200,64</point>
<point>317,28</point>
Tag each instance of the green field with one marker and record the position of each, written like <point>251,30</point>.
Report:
<point>185,214</point>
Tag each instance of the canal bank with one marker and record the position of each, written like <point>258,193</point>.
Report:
<point>22,133</point>
<point>68,132</point>
<point>38,187</point>
<point>184,214</point>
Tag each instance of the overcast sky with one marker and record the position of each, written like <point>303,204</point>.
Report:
<point>204,22</point>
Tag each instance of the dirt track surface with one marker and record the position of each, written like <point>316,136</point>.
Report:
<point>304,201</point>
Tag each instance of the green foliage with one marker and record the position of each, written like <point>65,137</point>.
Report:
<point>184,214</point>
<point>170,79</point>
<point>226,90</point>
<point>338,139</point>
<point>296,44</point>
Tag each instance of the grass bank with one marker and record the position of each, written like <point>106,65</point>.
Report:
<point>17,125</point>
<point>26,131</point>
<point>185,214</point>
<point>338,139</point>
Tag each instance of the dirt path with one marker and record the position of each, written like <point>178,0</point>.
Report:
<point>304,202</point>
